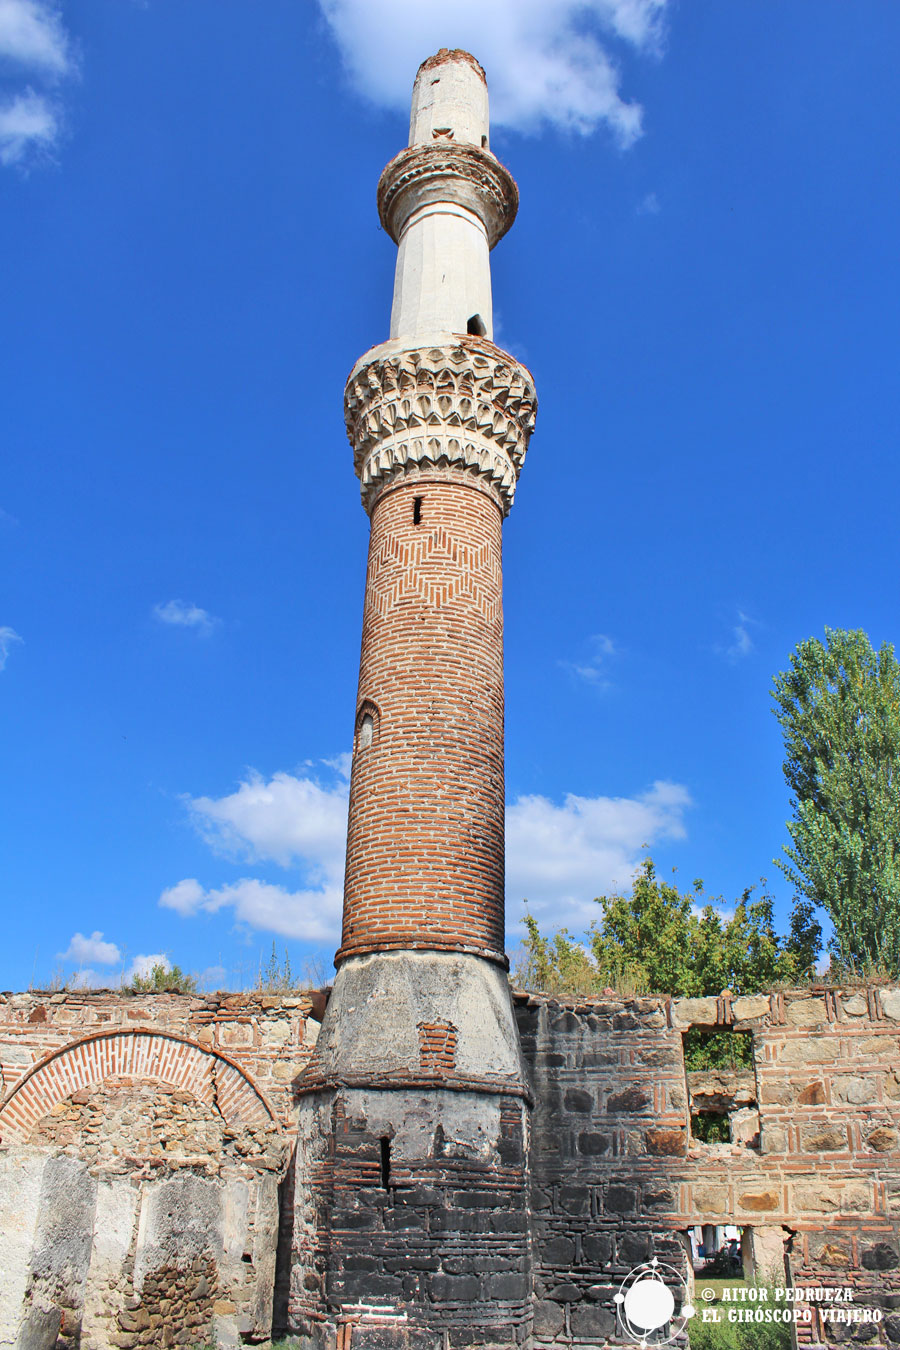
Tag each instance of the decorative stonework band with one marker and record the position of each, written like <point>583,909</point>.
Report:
<point>463,404</point>
<point>444,172</point>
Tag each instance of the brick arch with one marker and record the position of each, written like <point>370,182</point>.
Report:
<point>137,1053</point>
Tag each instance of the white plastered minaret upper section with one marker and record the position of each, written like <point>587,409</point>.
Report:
<point>443,278</point>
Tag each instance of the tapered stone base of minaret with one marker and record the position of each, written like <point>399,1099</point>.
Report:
<point>410,1225</point>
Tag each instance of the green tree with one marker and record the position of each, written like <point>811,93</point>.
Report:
<point>839,710</point>
<point>660,940</point>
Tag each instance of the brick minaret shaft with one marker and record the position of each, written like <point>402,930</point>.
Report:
<point>439,420</point>
<point>422,1102</point>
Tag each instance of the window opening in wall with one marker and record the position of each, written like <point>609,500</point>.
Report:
<point>476,326</point>
<point>719,1251</point>
<point>721,1086</point>
<point>385,1162</point>
<point>484,142</point>
<point>366,731</point>
<point>417,510</point>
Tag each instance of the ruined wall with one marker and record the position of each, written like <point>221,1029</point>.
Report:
<point>143,1141</point>
<point>617,1177</point>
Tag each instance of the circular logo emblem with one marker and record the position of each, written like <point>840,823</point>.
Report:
<point>653,1304</point>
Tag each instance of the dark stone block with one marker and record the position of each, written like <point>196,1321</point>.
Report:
<point>357,1262</point>
<point>576,1099</point>
<point>464,1265</point>
<point>592,1144</point>
<point>404,1218</point>
<point>549,1318</point>
<point>455,1288</point>
<point>362,1287</point>
<point>459,1221</point>
<point>353,1219</point>
<point>632,1248</point>
<point>575,1199</point>
<point>565,1293</point>
<point>882,1256</point>
<point>598,1059</point>
<point>410,1262</point>
<point>658,1197</point>
<point>509,1288</point>
<point>540,1199</point>
<point>620,1199</point>
<point>398,1337</point>
<point>564,1023</point>
<point>631,1100</point>
<point>554,1061</point>
<point>557,1251</point>
<point>511,1149</point>
<point>592,1321</point>
<point>417,1196</point>
<point>597,1248</point>
<point>892,1328</point>
<point>865,1331</point>
<point>509,1222</point>
<point>480,1199</point>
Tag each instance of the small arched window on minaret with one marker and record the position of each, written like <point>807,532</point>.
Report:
<point>475,326</point>
<point>367,720</point>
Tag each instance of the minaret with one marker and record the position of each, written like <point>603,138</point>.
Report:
<point>414,1122</point>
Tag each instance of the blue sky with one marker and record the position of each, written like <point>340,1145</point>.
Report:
<point>703,280</point>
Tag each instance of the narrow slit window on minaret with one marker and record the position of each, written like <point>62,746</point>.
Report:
<point>476,327</point>
<point>417,510</point>
<point>385,1162</point>
<point>366,731</point>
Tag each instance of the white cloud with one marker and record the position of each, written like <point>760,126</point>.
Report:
<point>285,820</point>
<point>8,638</point>
<point>742,643</point>
<point>91,948</point>
<point>313,915</point>
<point>295,822</point>
<point>649,205</point>
<point>546,60</point>
<point>143,966</point>
<point>28,122</point>
<point>593,668</point>
<point>32,34</point>
<point>561,857</point>
<point>181,614</point>
<point>558,856</point>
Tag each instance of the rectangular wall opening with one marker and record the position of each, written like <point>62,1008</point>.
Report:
<point>721,1086</point>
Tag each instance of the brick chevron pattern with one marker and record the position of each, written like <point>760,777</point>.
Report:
<point>138,1054</point>
<point>436,568</point>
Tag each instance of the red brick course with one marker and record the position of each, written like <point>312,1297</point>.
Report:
<point>134,1054</point>
<point>425,840</point>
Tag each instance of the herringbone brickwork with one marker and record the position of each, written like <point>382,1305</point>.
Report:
<point>425,844</point>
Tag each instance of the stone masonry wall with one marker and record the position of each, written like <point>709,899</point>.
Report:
<point>142,1145</point>
<point>617,1177</point>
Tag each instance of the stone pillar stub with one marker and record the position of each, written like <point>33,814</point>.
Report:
<point>450,101</point>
